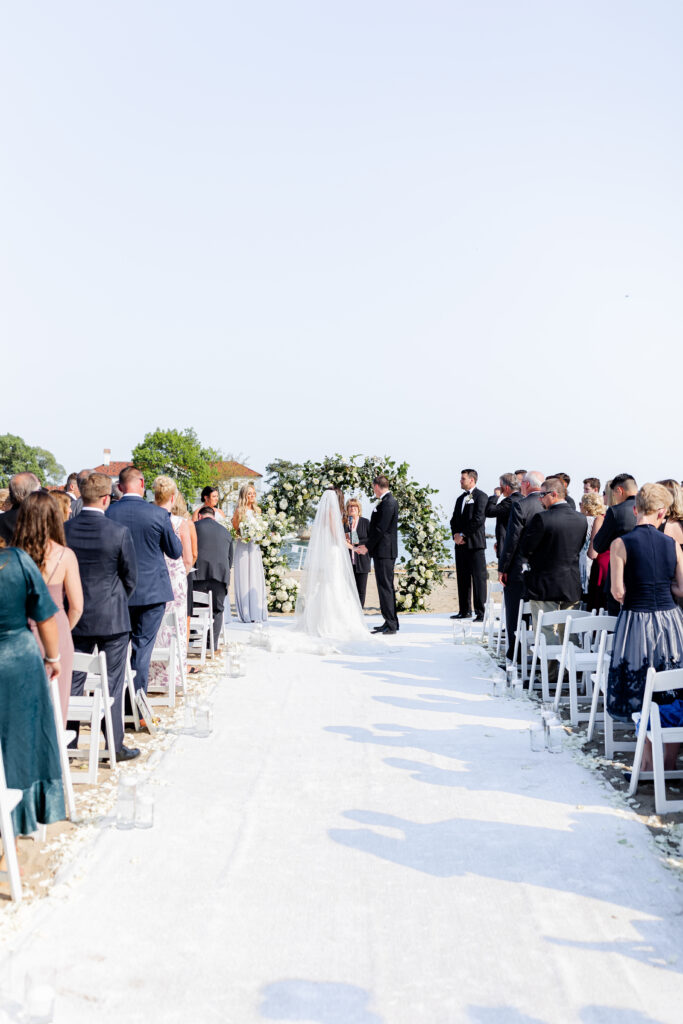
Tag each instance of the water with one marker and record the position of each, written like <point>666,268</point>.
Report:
<point>296,558</point>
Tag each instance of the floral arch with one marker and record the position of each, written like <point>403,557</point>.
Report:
<point>290,502</point>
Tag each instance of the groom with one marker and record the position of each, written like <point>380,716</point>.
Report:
<point>382,545</point>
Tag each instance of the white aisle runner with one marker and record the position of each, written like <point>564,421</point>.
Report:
<point>370,841</point>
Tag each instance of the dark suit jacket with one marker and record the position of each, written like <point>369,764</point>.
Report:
<point>153,537</point>
<point>361,563</point>
<point>8,522</point>
<point>619,519</point>
<point>109,572</point>
<point>214,552</point>
<point>470,519</point>
<point>500,511</point>
<point>510,557</point>
<point>382,539</point>
<point>552,543</point>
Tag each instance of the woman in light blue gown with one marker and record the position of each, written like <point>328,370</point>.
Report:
<point>248,577</point>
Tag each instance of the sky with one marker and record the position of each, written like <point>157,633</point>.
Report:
<point>444,231</point>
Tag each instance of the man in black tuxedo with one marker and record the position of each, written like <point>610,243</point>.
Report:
<point>214,561</point>
<point>499,507</point>
<point>469,533</point>
<point>108,568</point>
<point>382,545</point>
<point>510,559</point>
<point>552,543</point>
<point>20,486</point>
<point>72,492</point>
<point>153,537</point>
<point>619,519</point>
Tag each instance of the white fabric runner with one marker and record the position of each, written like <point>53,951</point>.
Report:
<point>369,841</point>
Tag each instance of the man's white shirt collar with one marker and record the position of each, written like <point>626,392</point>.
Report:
<point>92,508</point>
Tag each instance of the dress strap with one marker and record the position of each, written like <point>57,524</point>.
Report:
<point>55,566</point>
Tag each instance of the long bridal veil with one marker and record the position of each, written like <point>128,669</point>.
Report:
<point>328,604</point>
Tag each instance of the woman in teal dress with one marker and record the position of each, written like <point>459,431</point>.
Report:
<point>27,727</point>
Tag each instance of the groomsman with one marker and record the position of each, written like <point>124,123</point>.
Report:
<point>500,506</point>
<point>382,545</point>
<point>469,533</point>
<point>108,568</point>
<point>153,537</point>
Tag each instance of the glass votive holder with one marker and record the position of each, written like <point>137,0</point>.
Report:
<point>144,808</point>
<point>235,667</point>
<point>204,721</point>
<point>537,737</point>
<point>499,686</point>
<point>39,996</point>
<point>125,802</point>
<point>555,737</point>
<point>517,689</point>
<point>189,716</point>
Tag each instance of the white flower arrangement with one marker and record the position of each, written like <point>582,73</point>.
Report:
<point>252,529</point>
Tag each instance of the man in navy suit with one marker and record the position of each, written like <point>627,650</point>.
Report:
<point>153,537</point>
<point>108,568</point>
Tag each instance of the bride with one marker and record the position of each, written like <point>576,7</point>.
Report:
<point>327,609</point>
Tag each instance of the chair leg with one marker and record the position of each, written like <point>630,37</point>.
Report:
<point>657,757</point>
<point>594,711</point>
<point>10,851</point>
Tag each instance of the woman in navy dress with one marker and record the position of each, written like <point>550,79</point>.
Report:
<point>647,572</point>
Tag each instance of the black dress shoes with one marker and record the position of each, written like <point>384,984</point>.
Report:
<point>127,754</point>
<point>462,615</point>
<point>379,629</point>
<point>388,630</point>
<point>478,618</point>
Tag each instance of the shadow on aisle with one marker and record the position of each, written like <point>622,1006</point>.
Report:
<point>324,1002</point>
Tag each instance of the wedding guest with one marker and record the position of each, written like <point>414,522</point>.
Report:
<point>211,498</point>
<point>214,560</point>
<point>356,527</point>
<point>109,571</point>
<point>80,478</point>
<point>180,509</point>
<point>27,728</point>
<point>71,490</point>
<point>165,496</point>
<point>593,509</point>
<point>566,480</point>
<point>40,533</point>
<point>673,526</point>
<point>5,503</point>
<point>64,502</point>
<point>469,534</point>
<point>591,485</point>
<point>153,537</point>
<point>499,508</point>
<point>20,486</point>
<point>646,573</point>
<point>249,579</point>
<point>552,543</point>
<point>599,563</point>
<point>619,520</point>
<point>382,546</point>
<point>511,560</point>
<point>520,474</point>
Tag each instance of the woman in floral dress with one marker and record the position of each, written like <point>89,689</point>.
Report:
<point>165,491</point>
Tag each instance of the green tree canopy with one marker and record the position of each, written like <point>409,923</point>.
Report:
<point>175,453</point>
<point>18,457</point>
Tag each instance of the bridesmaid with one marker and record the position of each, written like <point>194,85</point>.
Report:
<point>249,580</point>
<point>165,495</point>
<point>40,532</point>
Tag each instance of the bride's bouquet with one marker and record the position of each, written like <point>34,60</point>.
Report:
<point>252,529</point>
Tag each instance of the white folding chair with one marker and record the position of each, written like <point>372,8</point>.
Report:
<point>580,657</point>
<point>64,737</point>
<point>90,709</point>
<point>652,729</point>
<point>522,639</point>
<point>9,798</point>
<point>490,619</point>
<point>201,625</point>
<point>543,651</point>
<point>129,684</point>
<point>599,681</point>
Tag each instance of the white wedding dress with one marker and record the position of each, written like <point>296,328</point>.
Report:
<point>328,615</point>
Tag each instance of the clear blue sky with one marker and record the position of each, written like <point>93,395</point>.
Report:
<point>447,231</point>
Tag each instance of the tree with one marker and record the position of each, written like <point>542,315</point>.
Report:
<point>174,453</point>
<point>18,457</point>
<point>286,475</point>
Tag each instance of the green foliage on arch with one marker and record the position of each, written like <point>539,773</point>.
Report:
<point>295,489</point>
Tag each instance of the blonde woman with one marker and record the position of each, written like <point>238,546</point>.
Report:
<point>592,571</point>
<point>249,580</point>
<point>356,528</point>
<point>165,496</point>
